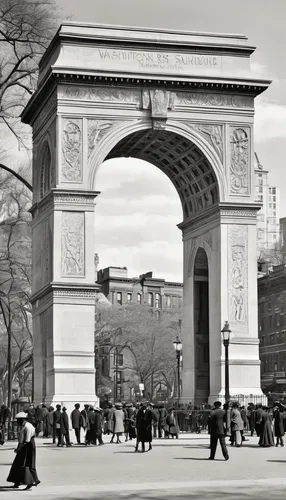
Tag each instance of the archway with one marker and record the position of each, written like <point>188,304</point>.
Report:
<point>180,159</point>
<point>201,327</point>
<point>184,102</point>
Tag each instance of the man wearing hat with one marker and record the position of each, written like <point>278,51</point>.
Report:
<point>23,470</point>
<point>57,425</point>
<point>217,427</point>
<point>76,420</point>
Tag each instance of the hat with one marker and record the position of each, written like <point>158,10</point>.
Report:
<point>150,404</point>
<point>217,403</point>
<point>64,408</point>
<point>22,414</point>
<point>58,406</point>
<point>96,408</point>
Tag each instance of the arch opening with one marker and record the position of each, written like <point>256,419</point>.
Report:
<point>180,159</point>
<point>201,327</point>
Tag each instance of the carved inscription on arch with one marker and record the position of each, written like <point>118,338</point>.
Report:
<point>73,247</point>
<point>239,160</point>
<point>238,273</point>
<point>72,150</point>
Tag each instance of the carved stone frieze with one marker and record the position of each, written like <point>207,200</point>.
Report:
<point>101,94</point>
<point>74,199</point>
<point>75,293</point>
<point>71,150</point>
<point>213,134</point>
<point>96,130</point>
<point>73,245</point>
<point>238,273</point>
<point>239,212</point>
<point>212,100</point>
<point>46,252</point>
<point>239,160</point>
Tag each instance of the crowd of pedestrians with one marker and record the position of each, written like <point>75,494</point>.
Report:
<point>141,422</point>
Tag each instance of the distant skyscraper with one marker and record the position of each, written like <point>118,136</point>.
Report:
<point>268,228</point>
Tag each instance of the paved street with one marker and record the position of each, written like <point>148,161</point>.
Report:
<point>173,469</point>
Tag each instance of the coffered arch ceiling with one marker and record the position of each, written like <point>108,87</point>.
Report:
<point>180,159</point>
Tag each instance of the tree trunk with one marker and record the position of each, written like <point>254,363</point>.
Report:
<point>9,368</point>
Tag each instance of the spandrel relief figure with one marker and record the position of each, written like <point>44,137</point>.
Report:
<point>73,244</point>
<point>239,161</point>
<point>71,148</point>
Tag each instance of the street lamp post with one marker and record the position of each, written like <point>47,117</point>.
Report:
<point>225,338</point>
<point>178,348</point>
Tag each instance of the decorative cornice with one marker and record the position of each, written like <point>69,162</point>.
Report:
<point>245,340</point>
<point>220,211</point>
<point>71,370</point>
<point>61,197</point>
<point>53,289</point>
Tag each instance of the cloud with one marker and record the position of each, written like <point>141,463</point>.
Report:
<point>270,121</point>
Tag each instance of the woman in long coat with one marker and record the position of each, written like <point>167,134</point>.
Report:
<point>278,424</point>
<point>144,420</point>
<point>266,437</point>
<point>23,470</point>
<point>118,419</point>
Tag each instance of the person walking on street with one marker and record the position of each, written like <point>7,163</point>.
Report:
<point>236,426</point>
<point>65,433</point>
<point>144,420</point>
<point>278,423</point>
<point>76,419</point>
<point>217,431</point>
<point>57,425</point>
<point>258,419</point>
<point>118,417</point>
<point>5,415</point>
<point>98,426</point>
<point>156,420</point>
<point>23,470</point>
<point>162,421</point>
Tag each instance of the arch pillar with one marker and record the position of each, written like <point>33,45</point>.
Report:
<point>64,297</point>
<point>227,233</point>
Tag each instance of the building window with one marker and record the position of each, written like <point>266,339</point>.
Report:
<point>119,377</point>
<point>129,298</point>
<point>119,298</point>
<point>139,299</point>
<point>157,314</point>
<point>150,299</point>
<point>168,301</point>
<point>157,300</point>
<point>269,305</point>
<point>119,359</point>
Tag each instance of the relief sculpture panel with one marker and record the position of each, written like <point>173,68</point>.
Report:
<point>71,150</point>
<point>239,161</point>
<point>96,129</point>
<point>238,273</point>
<point>213,134</point>
<point>73,245</point>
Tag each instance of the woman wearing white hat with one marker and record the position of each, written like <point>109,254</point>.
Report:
<point>23,470</point>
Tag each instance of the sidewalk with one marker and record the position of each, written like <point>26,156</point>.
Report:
<point>173,469</point>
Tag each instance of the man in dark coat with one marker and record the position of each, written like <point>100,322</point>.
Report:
<point>258,419</point>
<point>64,427</point>
<point>251,418</point>
<point>40,413</point>
<point>76,420</point>
<point>98,426</point>
<point>217,430</point>
<point>144,421</point>
<point>57,425</point>
<point>90,432</point>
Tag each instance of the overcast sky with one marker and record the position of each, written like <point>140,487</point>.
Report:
<point>139,208</point>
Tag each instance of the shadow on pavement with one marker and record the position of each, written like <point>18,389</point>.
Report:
<point>277,461</point>
<point>195,458</point>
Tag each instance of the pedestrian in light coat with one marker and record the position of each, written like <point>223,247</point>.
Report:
<point>236,426</point>
<point>118,419</point>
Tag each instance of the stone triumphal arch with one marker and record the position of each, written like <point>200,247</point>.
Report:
<point>184,102</point>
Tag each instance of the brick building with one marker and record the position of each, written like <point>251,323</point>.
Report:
<point>272,329</point>
<point>161,296</point>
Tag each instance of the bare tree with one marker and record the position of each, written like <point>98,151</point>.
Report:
<point>26,28</point>
<point>146,339</point>
<point>15,280</point>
